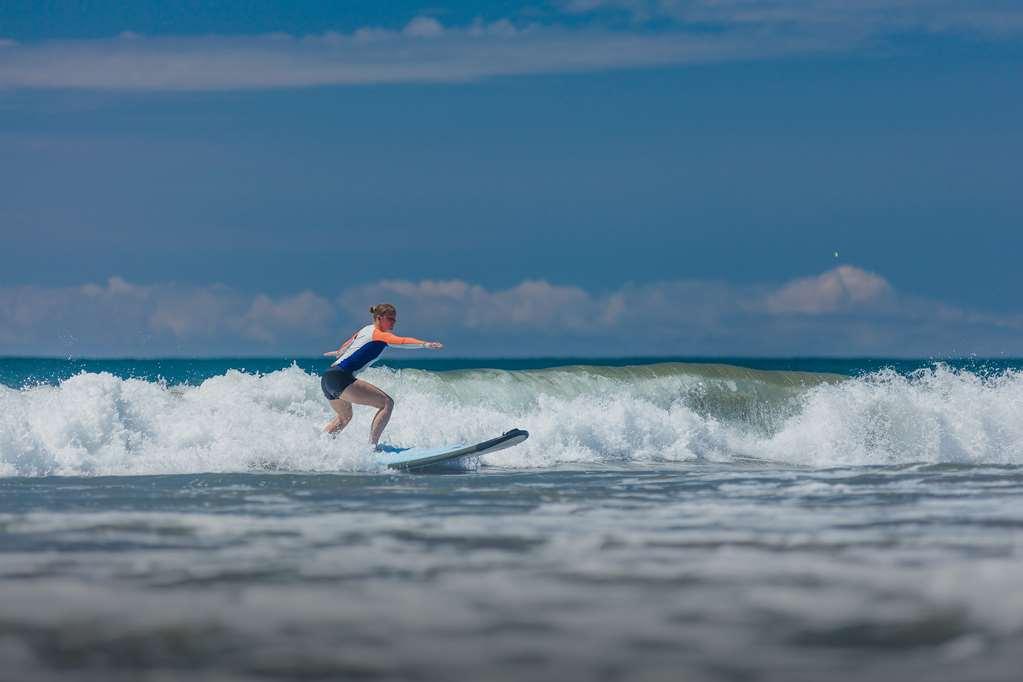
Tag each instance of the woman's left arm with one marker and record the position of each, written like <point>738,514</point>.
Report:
<point>406,341</point>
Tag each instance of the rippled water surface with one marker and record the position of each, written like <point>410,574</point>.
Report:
<point>695,571</point>
<point>780,520</point>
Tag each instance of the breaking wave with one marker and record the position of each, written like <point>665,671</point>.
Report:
<point>99,423</point>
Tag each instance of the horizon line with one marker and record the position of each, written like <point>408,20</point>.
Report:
<point>477,358</point>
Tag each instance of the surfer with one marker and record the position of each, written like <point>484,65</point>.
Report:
<point>361,350</point>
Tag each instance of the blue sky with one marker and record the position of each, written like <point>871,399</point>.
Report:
<point>207,178</point>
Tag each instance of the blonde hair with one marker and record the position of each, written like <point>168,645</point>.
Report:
<point>382,309</point>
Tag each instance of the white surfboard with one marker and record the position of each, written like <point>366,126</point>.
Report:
<point>418,458</point>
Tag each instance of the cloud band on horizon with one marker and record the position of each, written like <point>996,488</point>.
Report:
<point>844,311</point>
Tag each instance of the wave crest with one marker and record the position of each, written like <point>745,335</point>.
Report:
<point>98,423</point>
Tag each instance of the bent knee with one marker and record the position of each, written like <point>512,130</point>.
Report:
<point>387,402</point>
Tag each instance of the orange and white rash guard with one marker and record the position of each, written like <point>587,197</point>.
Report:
<point>366,345</point>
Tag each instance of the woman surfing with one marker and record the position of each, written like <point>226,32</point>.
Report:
<point>360,351</point>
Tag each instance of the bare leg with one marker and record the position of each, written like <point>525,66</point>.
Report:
<point>343,408</point>
<point>363,393</point>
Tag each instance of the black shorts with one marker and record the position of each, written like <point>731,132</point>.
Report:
<point>334,381</point>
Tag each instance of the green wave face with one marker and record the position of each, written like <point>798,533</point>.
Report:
<point>724,392</point>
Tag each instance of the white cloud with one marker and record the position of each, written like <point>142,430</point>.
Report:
<point>991,17</point>
<point>119,317</point>
<point>1000,23</point>
<point>304,313</point>
<point>423,27</point>
<point>843,288</point>
<point>501,27</point>
<point>194,312</point>
<point>537,305</point>
<point>844,311</point>
<point>532,305</point>
<point>425,51</point>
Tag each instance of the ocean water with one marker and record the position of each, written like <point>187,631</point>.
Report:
<point>741,519</point>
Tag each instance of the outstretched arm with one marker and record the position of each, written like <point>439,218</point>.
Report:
<point>405,341</point>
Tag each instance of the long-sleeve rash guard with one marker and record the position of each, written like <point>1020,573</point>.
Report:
<point>367,344</point>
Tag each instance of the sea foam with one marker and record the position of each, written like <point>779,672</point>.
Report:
<point>101,424</point>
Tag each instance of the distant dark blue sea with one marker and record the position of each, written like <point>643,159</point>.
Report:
<point>668,519</point>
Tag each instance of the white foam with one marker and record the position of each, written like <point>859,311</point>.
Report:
<point>936,415</point>
<point>101,424</point>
